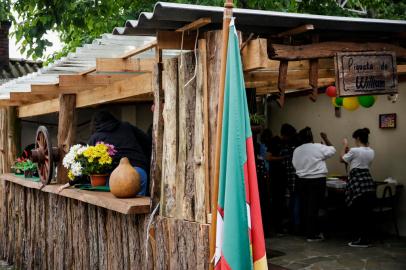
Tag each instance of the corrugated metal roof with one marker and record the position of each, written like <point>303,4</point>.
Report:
<point>83,59</point>
<point>18,67</point>
<point>171,16</point>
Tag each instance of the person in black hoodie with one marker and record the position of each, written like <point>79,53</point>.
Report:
<point>128,140</point>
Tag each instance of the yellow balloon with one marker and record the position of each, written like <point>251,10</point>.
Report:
<point>333,101</point>
<point>350,103</point>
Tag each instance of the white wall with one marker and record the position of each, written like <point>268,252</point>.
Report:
<point>389,144</point>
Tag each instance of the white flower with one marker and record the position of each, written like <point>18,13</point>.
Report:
<point>68,160</point>
<point>81,150</point>
<point>76,169</point>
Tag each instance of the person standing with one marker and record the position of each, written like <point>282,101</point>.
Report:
<point>289,144</point>
<point>311,169</point>
<point>360,191</point>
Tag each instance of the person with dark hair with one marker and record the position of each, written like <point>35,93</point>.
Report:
<point>289,144</point>
<point>311,169</point>
<point>277,184</point>
<point>262,166</point>
<point>360,189</point>
<point>128,140</point>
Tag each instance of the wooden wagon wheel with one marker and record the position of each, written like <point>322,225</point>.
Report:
<point>43,155</point>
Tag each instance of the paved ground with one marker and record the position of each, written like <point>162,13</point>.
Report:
<point>5,266</point>
<point>293,252</point>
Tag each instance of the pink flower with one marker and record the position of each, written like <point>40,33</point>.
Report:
<point>110,148</point>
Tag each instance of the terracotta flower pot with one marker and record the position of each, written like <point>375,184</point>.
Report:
<point>98,179</point>
<point>125,181</point>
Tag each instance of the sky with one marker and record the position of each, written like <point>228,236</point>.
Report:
<point>14,48</point>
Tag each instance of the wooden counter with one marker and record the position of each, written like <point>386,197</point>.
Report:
<point>139,205</point>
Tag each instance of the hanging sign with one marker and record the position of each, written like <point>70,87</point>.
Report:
<point>366,73</point>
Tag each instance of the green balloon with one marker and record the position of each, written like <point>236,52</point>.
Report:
<point>366,101</point>
<point>339,101</point>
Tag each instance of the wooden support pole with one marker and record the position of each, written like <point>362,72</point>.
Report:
<point>169,152</point>
<point>66,131</point>
<point>228,12</point>
<point>283,72</point>
<point>4,166</point>
<point>13,135</point>
<point>157,132</point>
<point>314,72</point>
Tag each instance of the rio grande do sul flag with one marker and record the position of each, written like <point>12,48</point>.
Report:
<point>240,243</point>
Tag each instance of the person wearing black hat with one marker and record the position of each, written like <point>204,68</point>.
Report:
<point>128,140</point>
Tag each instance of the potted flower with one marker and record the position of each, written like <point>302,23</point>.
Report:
<point>24,166</point>
<point>95,161</point>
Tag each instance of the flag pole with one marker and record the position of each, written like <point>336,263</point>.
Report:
<point>228,12</point>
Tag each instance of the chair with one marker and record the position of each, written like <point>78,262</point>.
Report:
<point>386,203</point>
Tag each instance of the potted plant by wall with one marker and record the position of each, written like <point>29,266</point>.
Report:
<point>24,166</point>
<point>257,121</point>
<point>18,166</point>
<point>95,161</point>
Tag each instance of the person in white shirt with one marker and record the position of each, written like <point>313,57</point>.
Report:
<point>311,169</point>
<point>360,189</point>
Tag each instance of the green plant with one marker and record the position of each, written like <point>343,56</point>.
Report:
<point>257,119</point>
<point>24,165</point>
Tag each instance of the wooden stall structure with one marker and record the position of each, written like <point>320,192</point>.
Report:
<point>41,229</point>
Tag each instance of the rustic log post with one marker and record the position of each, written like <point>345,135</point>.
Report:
<point>14,136</point>
<point>201,140</point>
<point>314,72</point>
<point>4,166</point>
<point>283,73</point>
<point>157,134</point>
<point>169,156</point>
<point>213,40</point>
<point>66,131</point>
<point>185,188</point>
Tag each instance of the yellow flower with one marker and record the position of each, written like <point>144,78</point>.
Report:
<point>70,175</point>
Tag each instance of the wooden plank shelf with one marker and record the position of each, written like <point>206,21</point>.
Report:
<point>138,205</point>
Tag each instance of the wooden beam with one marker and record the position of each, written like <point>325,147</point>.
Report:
<point>124,65</point>
<point>297,30</point>
<point>72,82</point>
<point>269,78</point>
<point>195,25</point>
<point>327,50</point>
<point>131,87</point>
<point>266,78</point>
<point>45,88</point>
<point>90,70</point>
<point>29,97</point>
<point>10,103</point>
<point>66,132</point>
<point>299,85</point>
<point>138,205</point>
<point>40,108</point>
<point>168,40</point>
<point>139,50</point>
